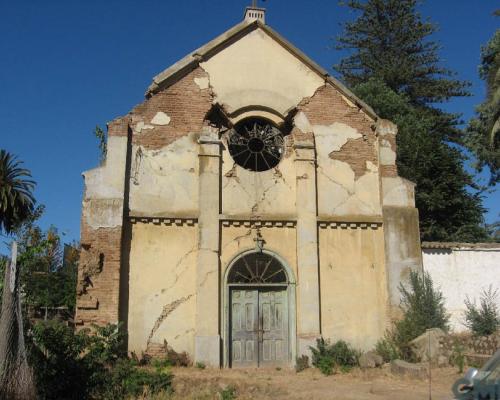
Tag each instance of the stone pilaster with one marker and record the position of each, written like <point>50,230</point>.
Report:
<point>401,226</point>
<point>308,317</point>
<point>207,341</point>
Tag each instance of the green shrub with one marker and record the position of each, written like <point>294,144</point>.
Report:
<point>160,363</point>
<point>126,379</point>
<point>60,369</point>
<point>200,365</point>
<point>387,349</point>
<point>326,357</point>
<point>228,393</point>
<point>483,320</point>
<point>423,308</point>
<point>83,366</point>
<point>106,344</point>
<point>458,356</point>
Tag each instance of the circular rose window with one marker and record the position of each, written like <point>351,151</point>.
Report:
<point>256,144</point>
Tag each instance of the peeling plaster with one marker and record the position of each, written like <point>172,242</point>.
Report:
<point>141,126</point>
<point>302,123</point>
<point>338,134</point>
<point>161,118</point>
<point>107,181</point>
<point>165,180</point>
<point>398,192</point>
<point>103,213</point>
<point>203,83</point>
<point>371,167</point>
<point>387,156</point>
<point>342,193</point>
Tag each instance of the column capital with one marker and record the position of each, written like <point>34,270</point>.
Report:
<point>209,139</point>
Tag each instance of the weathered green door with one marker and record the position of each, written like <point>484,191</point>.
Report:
<point>273,329</point>
<point>244,327</point>
<point>259,327</point>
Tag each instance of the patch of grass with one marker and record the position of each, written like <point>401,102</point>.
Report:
<point>200,365</point>
<point>228,393</point>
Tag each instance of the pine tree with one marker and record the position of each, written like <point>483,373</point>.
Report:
<point>389,41</point>
<point>483,132</point>
<point>396,69</point>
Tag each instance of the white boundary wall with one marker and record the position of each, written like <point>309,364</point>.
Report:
<point>460,270</point>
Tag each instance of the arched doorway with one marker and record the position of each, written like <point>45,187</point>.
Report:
<point>259,312</point>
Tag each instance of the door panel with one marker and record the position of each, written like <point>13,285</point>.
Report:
<point>259,327</point>
<point>244,328</point>
<point>273,307</point>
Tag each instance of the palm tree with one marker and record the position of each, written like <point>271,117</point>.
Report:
<point>16,206</point>
<point>16,192</point>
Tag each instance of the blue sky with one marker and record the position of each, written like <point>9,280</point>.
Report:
<point>66,66</point>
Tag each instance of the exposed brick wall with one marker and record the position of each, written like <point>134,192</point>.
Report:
<point>98,296</point>
<point>299,136</point>
<point>327,106</point>
<point>118,127</point>
<point>184,102</point>
<point>356,152</point>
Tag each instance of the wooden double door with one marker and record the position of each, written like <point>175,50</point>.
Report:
<point>259,327</point>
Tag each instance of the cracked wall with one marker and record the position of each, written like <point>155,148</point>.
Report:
<point>172,113</point>
<point>237,239</point>
<point>268,193</point>
<point>353,285</point>
<point>162,287</point>
<point>353,174</point>
<point>166,128</point>
<point>346,151</point>
<point>258,71</point>
<point>164,182</point>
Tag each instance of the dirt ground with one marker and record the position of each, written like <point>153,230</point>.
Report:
<point>193,383</point>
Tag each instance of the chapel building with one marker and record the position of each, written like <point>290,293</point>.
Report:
<point>248,206</point>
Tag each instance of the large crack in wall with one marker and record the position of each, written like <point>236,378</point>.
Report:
<point>167,310</point>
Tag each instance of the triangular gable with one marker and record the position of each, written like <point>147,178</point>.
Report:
<point>209,50</point>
